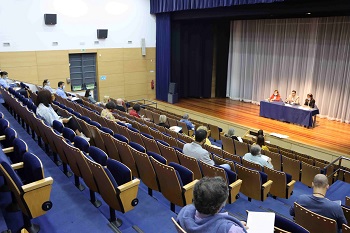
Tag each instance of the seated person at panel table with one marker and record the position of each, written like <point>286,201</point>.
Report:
<point>195,150</point>
<point>204,215</point>
<point>46,86</point>
<point>108,111</point>
<point>310,101</point>
<point>119,105</point>
<point>255,157</point>
<point>275,96</point>
<point>135,111</point>
<point>260,140</point>
<point>231,134</point>
<point>60,92</point>
<point>3,81</point>
<point>162,121</point>
<point>48,114</point>
<point>186,119</point>
<point>293,98</point>
<point>319,204</point>
<point>89,97</point>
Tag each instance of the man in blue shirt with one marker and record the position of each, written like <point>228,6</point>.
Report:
<point>3,81</point>
<point>185,119</point>
<point>60,90</point>
<point>319,204</point>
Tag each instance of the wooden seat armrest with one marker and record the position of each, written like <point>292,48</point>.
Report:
<point>37,184</point>
<point>267,184</point>
<point>266,189</point>
<point>190,132</point>
<point>8,150</point>
<point>234,190</point>
<point>17,166</point>
<point>187,191</point>
<point>292,183</point>
<point>2,137</point>
<point>129,185</point>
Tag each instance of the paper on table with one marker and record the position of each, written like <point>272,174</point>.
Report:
<point>176,128</point>
<point>261,222</point>
<point>74,98</point>
<point>279,135</point>
<point>239,139</point>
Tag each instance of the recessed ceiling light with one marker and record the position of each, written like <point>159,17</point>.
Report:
<point>308,13</point>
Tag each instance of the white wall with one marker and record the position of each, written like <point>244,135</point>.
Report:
<point>22,24</point>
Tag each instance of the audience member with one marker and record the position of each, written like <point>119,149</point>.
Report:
<point>48,114</point>
<point>108,111</point>
<point>310,101</point>
<point>255,157</point>
<point>88,95</point>
<point>60,90</point>
<point>275,96</point>
<point>207,141</point>
<point>186,119</point>
<point>260,140</point>
<point>195,150</point>
<point>46,86</point>
<point>120,106</point>
<point>162,121</point>
<point>3,81</point>
<point>319,204</point>
<point>135,111</point>
<point>204,215</point>
<point>293,98</point>
<point>231,134</point>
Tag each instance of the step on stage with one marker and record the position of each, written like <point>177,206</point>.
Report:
<point>327,134</point>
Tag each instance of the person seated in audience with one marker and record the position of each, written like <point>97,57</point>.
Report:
<point>255,157</point>
<point>310,101</point>
<point>135,111</point>
<point>205,214</point>
<point>207,141</point>
<point>316,202</point>
<point>260,140</point>
<point>195,150</point>
<point>60,90</point>
<point>46,86</point>
<point>120,106</point>
<point>108,111</point>
<point>293,98</point>
<point>3,81</point>
<point>89,97</point>
<point>162,121</point>
<point>231,134</point>
<point>275,96</point>
<point>48,114</point>
<point>186,119</point>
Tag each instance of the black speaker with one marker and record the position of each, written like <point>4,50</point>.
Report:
<point>50,19</point>
<point>102,33</point>
<point>172,88</point>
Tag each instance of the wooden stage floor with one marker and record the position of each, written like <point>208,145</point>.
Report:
<point>327,134</point>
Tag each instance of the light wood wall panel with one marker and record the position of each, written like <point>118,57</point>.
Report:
<point>49,58</point>
<point>17,59</point>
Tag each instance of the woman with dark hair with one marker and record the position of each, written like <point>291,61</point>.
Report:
<point>88,95</point>
<point>310,101</point>
<point>275,96</point>
<point>260,140</point>
<point>135,111</point>
<point>209,197</point>
<point>46,85</point>
<point>107,112</point>
<point>46,112</point>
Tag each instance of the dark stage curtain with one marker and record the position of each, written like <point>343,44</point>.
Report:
<point>222,47</point>
<point>192,58</point>
<point>161,6</point>
<point>163,62</point>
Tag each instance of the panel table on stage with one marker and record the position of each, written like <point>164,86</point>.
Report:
<point>297,114</point>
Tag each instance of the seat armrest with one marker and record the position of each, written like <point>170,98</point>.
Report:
<point>2,137</point>
<point>37,184</point>
<point>129,185</point>
<point>290,187</point>
<point>266,189</point>
<point>187,191</point>
<point>127,193</point>
<point>8,150</point>
<point>234,190</point>
<point>292,183</point>
<point>267,184</point>
<point>17,166</point>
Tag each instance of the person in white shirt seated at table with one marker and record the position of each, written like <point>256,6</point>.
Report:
<point>255,157</point>
<point>46,86</point>
<point>3,81</point>
<point>293,98</point>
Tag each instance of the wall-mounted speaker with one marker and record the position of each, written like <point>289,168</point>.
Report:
<point>50,19</point>
<point>102,33</point>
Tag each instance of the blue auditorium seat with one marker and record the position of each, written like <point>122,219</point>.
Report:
<point>58,126</point>
<point>121,138</point>
<point>81,144</point>
<point>98,155</point>
<point>68,134</point>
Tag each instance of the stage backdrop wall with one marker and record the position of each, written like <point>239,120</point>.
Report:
<point>306,55</point>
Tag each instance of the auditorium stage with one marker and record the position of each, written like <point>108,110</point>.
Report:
<point>328,137</point>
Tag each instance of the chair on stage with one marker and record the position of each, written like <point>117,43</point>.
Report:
<point>255,184</point>
<point>179,229</point>
<point>241,148</point>
<point>313,222</point>
<point>283,184</point>
<point>292,167</point>
<point>230,177</point>
<point>308,173</point>
<point>228,145</point>
<point>176,183</point>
